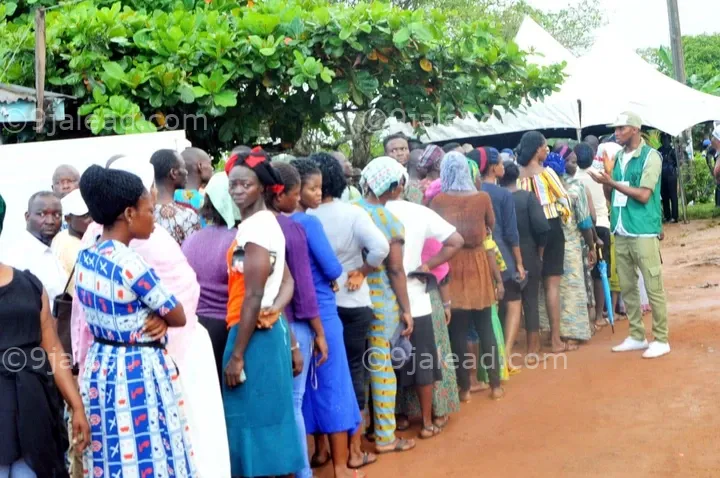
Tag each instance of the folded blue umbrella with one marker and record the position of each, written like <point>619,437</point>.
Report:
<point>602,268</point>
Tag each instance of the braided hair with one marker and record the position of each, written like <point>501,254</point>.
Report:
<point>306,168</point>
<point>108,192</point>
<point>289,176</point>
<point>334,182</point>
<point>259,162</point>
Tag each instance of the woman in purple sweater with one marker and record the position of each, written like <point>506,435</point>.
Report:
<point>302,313</point>
<point>206,251</point>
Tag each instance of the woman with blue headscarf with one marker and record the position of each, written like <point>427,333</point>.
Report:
<point>574,318</point>
<point>472,292</point>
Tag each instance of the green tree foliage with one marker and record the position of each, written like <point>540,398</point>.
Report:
<point>702,61</point>
<point>268,69</point>
<point>573,26</point>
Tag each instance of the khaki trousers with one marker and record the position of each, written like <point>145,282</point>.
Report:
<point>633,253</point>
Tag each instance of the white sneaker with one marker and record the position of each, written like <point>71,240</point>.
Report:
<point>656,349</point>
<point>630,344</point>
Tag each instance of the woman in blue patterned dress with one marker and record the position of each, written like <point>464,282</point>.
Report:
<point>131,390</point>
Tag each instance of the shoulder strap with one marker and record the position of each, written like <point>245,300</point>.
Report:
<point>67,284</point>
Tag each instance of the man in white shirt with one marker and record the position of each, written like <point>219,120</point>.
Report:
<point>420,225</point>
<point>33,253</point>
<point>601,215</point>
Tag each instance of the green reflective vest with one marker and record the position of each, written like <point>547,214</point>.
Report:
<point>637,218</point>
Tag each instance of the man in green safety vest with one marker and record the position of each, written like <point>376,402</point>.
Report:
<point>632,185</point>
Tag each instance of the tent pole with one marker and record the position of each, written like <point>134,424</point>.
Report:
<point>681,182</point>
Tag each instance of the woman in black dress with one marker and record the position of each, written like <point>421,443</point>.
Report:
<point>31,427</point>
<point>533,228</point>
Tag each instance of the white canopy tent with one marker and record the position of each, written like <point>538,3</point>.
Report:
<point>608,80</point>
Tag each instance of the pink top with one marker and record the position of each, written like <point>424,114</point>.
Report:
<point>165,257</point>
<point>433,246</point>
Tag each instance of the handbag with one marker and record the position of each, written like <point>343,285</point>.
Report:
<point>62,311</point>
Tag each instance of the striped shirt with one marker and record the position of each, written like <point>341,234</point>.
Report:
<point>550,192</point>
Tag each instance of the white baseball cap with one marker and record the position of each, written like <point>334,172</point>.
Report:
<point>74,204</point>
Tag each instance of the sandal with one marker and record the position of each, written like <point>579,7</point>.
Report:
<point>401,444</point>
<point>441,422</point>
<point>365,461</point>
<point>316,462</point>
<point>429,432</point>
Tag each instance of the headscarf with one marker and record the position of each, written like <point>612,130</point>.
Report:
<point>474,169</point>
<point>431,158</point>
<point>488,157</point>
<point>455,173</point>
<point>3,207</point>
<point>259,162</point>
<point>380,174</point>
<point>555,162</point>
<point>432,190</point>
<point>141,168</point>
<point>218,190</point>
<point>108,192</point>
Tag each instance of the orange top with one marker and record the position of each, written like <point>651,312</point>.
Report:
<point>236,290</point>
<point>471,283</point>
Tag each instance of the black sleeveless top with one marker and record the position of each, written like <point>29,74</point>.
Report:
<point>31,424</point>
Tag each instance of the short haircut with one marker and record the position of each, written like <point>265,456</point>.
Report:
<point>163,160</point>
<point>289,176</point>
<point>65,168</point>
<point>512,173</point>
<point>39,194</point>
<point>585,155</point>
<point>394,137</point>
<point>451,146</point>
<point>334,182</point>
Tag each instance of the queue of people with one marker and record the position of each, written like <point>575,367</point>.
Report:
<point>220,322</point>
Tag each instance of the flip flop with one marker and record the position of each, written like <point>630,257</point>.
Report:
<point>429,432</point>
<point>401,444</point>
<point>365,461</point>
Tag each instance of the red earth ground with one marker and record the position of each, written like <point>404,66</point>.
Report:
<point>605,414</point>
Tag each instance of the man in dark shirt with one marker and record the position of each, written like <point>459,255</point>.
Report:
<point>668,185</point>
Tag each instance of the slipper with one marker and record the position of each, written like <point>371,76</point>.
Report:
<point>365,461</point>
<point>514,371</point>
<point>441,422</point>
<point>429,432</point>
<point>401,444</point>
<point>316,462</point>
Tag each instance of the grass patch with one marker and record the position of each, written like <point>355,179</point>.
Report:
<point>703,211</point>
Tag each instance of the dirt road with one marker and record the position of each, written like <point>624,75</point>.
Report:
<point>605,414</point>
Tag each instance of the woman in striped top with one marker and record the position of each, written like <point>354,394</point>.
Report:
<point>549,190</point>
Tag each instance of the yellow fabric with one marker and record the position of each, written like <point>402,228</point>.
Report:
<point>491,245</point>
<point>66,249</point>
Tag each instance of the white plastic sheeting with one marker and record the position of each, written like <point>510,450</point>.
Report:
<point>28,168</point>
<point>608,80</point>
